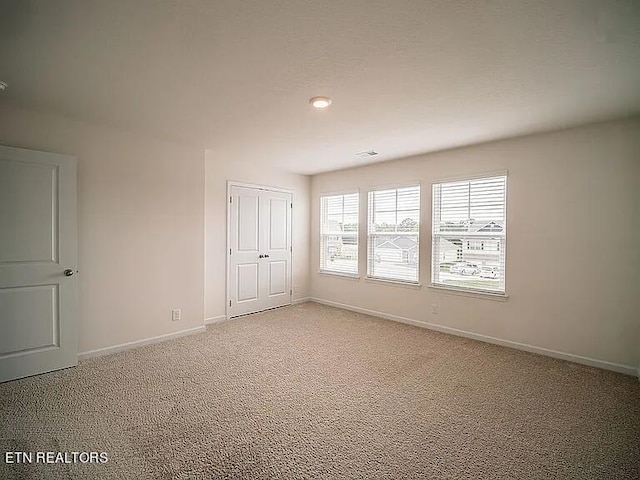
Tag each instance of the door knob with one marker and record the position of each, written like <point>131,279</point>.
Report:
<point>260,256</point>
<point>266,256</point>
<point>68,272</point>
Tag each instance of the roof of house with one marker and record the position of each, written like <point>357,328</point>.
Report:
<point>398,242</point>
<point>483,226</point>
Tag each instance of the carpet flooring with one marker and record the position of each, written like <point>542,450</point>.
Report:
<point>309,392</point>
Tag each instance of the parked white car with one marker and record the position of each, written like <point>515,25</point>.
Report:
<point>465,268</point>
<point>489,272</point>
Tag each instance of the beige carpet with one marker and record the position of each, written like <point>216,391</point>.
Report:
<point>315,392</point>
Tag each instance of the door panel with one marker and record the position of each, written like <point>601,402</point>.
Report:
<point>260,250</point>
<point>38,241</point>
<point>29,216</point>
<point>37,310</point>
<point>278,231</point>
<point>247,282</point>
<point>248,223</point>
<point>277,277</point>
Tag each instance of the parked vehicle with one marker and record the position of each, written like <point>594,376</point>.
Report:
<point>465,268</point>
<point>489,272</point>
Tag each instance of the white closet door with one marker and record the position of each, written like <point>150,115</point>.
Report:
<point>259,264</point>
<point>38,255</point>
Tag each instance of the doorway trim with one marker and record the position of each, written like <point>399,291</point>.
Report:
<point>230,185</point>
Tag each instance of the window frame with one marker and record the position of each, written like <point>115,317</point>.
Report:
<point>502,240</point>
<point>321,270</point>
<point>369,260</point>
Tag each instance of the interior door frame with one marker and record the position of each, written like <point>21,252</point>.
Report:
<point>230,185</point>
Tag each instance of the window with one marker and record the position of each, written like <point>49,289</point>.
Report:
<point>469,234</point>
<point>339,234</point>
<point>394,225</point>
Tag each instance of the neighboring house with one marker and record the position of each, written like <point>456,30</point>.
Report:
<point>486,227</point>
<point>397,249</point>
<point>449,251</point>
<point>482,248</point>
<point>340,244</point>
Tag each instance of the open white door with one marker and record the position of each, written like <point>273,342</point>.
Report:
<point>259,267</point>
<point>38,258</point>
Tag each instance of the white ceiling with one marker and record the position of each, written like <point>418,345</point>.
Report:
<point>405,76</point>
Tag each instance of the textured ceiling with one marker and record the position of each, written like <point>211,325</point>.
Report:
<point>405,76</point>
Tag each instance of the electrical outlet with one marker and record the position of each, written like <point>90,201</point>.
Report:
<point>435,309</point>
<point>175,314</point>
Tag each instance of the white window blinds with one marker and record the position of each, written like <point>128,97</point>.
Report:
<point>393,234</point>
<point>339,233</point>
<point>469,234</point>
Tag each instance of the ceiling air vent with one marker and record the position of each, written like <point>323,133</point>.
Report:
<point>366,154</point>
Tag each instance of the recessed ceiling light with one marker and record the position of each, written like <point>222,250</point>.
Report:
<point>3,85</point>
<point>320,102</point>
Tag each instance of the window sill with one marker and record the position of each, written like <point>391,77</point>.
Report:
<point>499,297</point>
<point>345,276</point>
<point>395,283</point>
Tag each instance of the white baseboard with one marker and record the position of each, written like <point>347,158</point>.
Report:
<point>216,319</point>
<point>626,369</point>
<point>139,343</point>
<point>224,318</point>
<point>298,301</point>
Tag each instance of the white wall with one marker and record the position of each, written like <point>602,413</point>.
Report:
<point>218,171</point>
<point>141,226</point>
<point>573,261</point>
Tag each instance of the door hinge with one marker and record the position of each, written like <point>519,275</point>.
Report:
<point>229,302</point>
<point>292,205</point>
<point>291,249</point>
<point>230,199</point>
<point>229,251</point>
<point>290,292</point>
